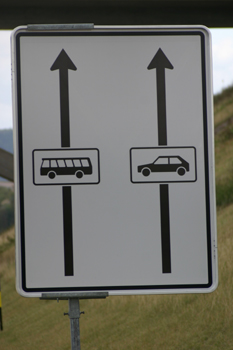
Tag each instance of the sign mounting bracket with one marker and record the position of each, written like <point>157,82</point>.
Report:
<point>59,27</point>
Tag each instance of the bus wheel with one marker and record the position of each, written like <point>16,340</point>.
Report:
<point>79,174</point>
<point>51,174</point>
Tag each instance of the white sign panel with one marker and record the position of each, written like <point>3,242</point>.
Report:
<point>114,160</point>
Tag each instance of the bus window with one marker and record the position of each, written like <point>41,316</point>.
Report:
<point>77,163</point>
<point>69,163</point>
<point>85,162</point>
<point>45,163</point>
<point>61,163</point>
<point>53,163</point>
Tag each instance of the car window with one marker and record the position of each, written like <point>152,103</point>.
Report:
<point>175,160</point>
<point>161,160</point>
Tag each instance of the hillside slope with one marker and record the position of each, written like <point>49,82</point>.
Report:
<point>223,112</point>
<point>165,322</point>
<point>6,139</point>
<point>6,142</point>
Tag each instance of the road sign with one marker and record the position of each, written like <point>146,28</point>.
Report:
<point>114,160</point>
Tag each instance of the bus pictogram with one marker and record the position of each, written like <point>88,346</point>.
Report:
<point>66,166</point>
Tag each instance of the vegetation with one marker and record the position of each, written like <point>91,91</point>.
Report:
<point>6,139</point>
<point>6,208</point>
<point>223,111</point>
<point>6,194</point>
<point>165,322</point>
<point>6,142</point>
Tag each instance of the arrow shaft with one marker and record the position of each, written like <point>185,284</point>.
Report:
<point>64,108</point>
<point>63,63</point>
<point>67,230</point>
<point>160,62</point>
<point>164,188</point>
<point>66,190</point>
<point>161,107</point>
<point>165,228</point>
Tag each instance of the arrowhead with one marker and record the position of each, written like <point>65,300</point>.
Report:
<point>160,60</point>
<point>63,61</point>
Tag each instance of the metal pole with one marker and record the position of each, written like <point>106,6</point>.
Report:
<point>74,310</point>
<point>74,315</point>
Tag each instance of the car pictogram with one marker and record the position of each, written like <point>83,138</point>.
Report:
<point>165,164</point>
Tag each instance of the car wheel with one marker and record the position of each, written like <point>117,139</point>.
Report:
<point>181,171</point>
<point>51,174</point>
<point>79,174</point>
<point>146,171</point>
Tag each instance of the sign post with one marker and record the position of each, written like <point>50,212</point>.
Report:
<point>114,163</point>
<point>74,311</point>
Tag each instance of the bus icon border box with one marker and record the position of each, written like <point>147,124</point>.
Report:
<point>88,178</point>
<point>144,155</point>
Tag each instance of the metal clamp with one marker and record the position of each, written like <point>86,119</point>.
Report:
<point>81,295</point>
<point>55,27</point>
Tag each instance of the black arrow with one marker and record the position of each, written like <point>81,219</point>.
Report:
<point>160,62</point>
<point>64,63</point>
